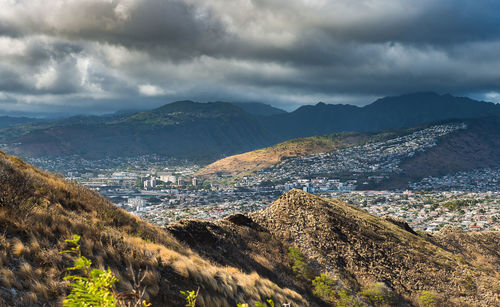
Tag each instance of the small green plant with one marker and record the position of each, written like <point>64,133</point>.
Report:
<point>345,299</point>
<point>299,266</point>
<point>258,304</point>
<point>190,297</point>
<point>378,294</point>
<point>269,301</point>
<point>93,287</point>
<point>427,299</point>
<point>324,287</point>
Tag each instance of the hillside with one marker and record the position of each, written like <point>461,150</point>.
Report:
<point>477,146</point>
<point>355,248</point>
<point>38,211</point>
<point>237,259</point>
<point>239,165</point>
<point>246,163</point>
<point>209,131</point>
<point>390,159</point>
<point>358,248</point>
<point>181,129</point>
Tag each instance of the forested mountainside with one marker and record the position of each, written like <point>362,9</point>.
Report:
<point>209,131</point>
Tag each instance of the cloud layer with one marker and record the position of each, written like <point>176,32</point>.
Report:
<point>102,55</point>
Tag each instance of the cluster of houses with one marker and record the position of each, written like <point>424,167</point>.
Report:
<point>484,179</point>
<point>430,211</point>
<point>368,163</point>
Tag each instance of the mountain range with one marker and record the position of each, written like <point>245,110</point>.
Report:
<point>353,258</point>
<point>8,121</point>
<point>208,131</point>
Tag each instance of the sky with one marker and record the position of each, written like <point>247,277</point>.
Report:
<point>99,56</point>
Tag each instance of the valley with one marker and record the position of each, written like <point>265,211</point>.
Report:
<point>435,181</point>
<point>164,190</point>
<point>256,253</point>
<point>249,153</point>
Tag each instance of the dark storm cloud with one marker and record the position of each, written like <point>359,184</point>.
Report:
<point>98,55</point>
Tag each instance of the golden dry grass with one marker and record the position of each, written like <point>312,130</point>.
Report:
<point>40,211</point>
<point>242,164</point>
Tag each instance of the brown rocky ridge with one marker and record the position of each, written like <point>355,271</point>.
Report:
<point>353,247</point>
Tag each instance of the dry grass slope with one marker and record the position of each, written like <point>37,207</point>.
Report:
<point>39,210</point>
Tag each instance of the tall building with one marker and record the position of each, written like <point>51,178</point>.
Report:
<point>149,183</point>
<point>167,177</point>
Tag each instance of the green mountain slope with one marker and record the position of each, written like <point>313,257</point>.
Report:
<point>7,121</point>
<point>182,129</point>
<point>208,131</point>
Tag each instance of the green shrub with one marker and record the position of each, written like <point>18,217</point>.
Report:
<point>94,287</point>
<point>299,266</point>
<point>270,302</point>
<point>378,294</point>
<point>347,300</point>
<point>324,287</point>
<point>258,304</point>
<point>427,299</point>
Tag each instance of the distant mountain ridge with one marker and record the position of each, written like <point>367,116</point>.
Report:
<point>208,131</point>
<point>259,109</point>
<point>385,113</point>
<point>7,121</point>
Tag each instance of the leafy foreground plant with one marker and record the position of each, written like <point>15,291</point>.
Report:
<point>378,294</point>
<point>93,287</point>
<point>190,297</point>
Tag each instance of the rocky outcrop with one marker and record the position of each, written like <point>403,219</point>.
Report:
<point>359,248</point>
